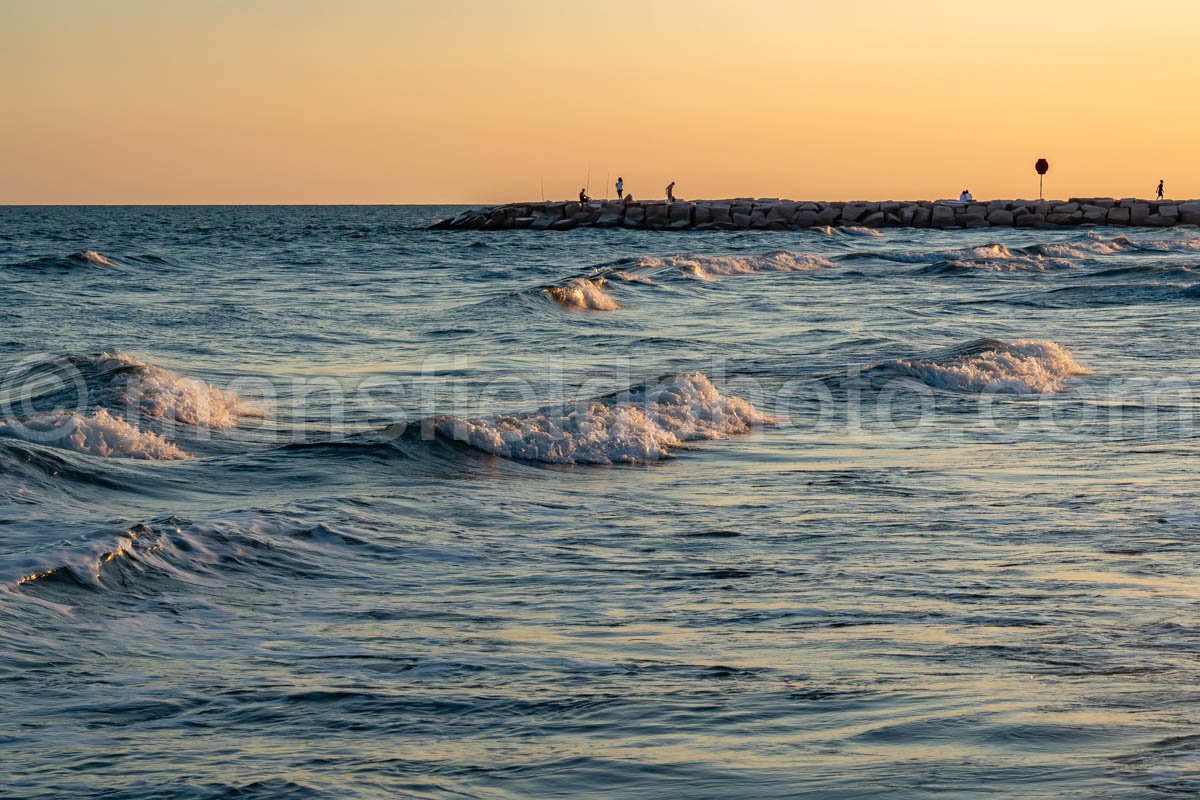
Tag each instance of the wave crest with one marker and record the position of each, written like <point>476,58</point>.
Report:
<point>583,293</point>
<point>642,425</point>
<point>704,266</point>
<point>158,392</point>
<point>97,433</point>
<point>1024,366</point>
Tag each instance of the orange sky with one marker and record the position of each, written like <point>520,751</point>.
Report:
<point>387,101</point>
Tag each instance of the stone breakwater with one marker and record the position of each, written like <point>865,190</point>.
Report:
<point>776,214</point>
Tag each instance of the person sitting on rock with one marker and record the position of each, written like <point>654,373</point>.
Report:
<point>583,198</point>
<point>965,197</point>
<point>1160,189</point>
<point>620,188</point>
<point>671,192</point>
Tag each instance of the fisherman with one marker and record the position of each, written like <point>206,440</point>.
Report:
<point>1160,189</point>
<point>671,192</point>
<point>965,197</point>
<point>620,188</point>
<point>583,198</point>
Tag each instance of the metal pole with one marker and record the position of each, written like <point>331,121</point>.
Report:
<point>1041,192</point>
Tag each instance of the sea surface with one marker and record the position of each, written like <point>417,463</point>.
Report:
<point>312,502</point>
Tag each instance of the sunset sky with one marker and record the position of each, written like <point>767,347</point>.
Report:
<point>386,101</point>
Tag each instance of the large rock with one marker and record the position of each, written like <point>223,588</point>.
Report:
<point>545,216</point>
<point>680,212</point>
<point>608,220</point>
<point>921,217</point>
<point>1030,220</point>
<point>1159,221</point>
<point>851,214</point>
<point>1139,213</point>
<point>1066,208</point>
<point>943,217</point>
<point>828,215</point>
<point>1118,215</point>
<point>873,219</point>
<point>758,218</point>
<point>720,214</point>
<point>635,216</point>
<point>1170,212</point>
<point>702,214</point>
<point>656,215</point>
<point>1189,212</point>
<point>804,218</point>
<point>740,219</point>
<point>1094,215</point>
<point>782,212</point>
<point>973,220</point>
<point>1000,217</point>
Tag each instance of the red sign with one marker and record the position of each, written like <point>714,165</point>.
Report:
<point>1042,166</point>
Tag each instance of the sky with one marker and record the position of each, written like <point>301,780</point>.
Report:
<point>392,101</point>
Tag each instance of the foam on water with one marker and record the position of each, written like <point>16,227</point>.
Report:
<point>583,293</point>
<point>1024,366</point>
<point>706,266</point>
<point>97,433</point>
<point>644,425</point>
<point>164,394</point>
<point>92,257</point>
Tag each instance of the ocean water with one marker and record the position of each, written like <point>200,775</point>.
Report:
<point>315,503</point>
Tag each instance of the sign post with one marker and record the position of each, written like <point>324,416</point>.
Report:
<point>1042,166</point>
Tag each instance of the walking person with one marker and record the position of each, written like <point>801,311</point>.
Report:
<point>1160,189</point>
<point>620,188</point>
<point>671,192</point>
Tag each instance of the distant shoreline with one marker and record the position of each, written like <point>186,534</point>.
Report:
<point>777,214</point>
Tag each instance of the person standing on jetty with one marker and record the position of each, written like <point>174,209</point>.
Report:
<point>671,192</point>
<point>1160,189</point>
<point>583,198</point>
<point>620,188</point>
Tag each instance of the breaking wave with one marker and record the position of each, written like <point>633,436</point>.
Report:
<point>583,293</point>
<point>850,230</point>
<point>641,425</point>
<point>706,267</point>
<point>96,433</point>
<point>1024,366</point>
<point>163,394</point>
<point>82,258</point>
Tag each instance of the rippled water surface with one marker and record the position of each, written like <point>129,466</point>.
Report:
<point>314,503</point>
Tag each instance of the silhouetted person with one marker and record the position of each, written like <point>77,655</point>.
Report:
<point>620,188</point>
<point>1160,190</point>
<point>583,198</point>
<point>671,192</point>
<point>965,197</point>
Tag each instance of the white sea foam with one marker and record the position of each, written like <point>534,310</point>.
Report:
<point>164,394</point>
<point>849,230</point>
<point>92,257</point>
<point>627,277</point>
<point>1025,366</point>
<point>647,425</point>
<point>705,267</point>
<point>583,293</point>
<point>97,433</point>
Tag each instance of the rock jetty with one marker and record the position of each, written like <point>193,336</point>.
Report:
<point>775,214</point>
